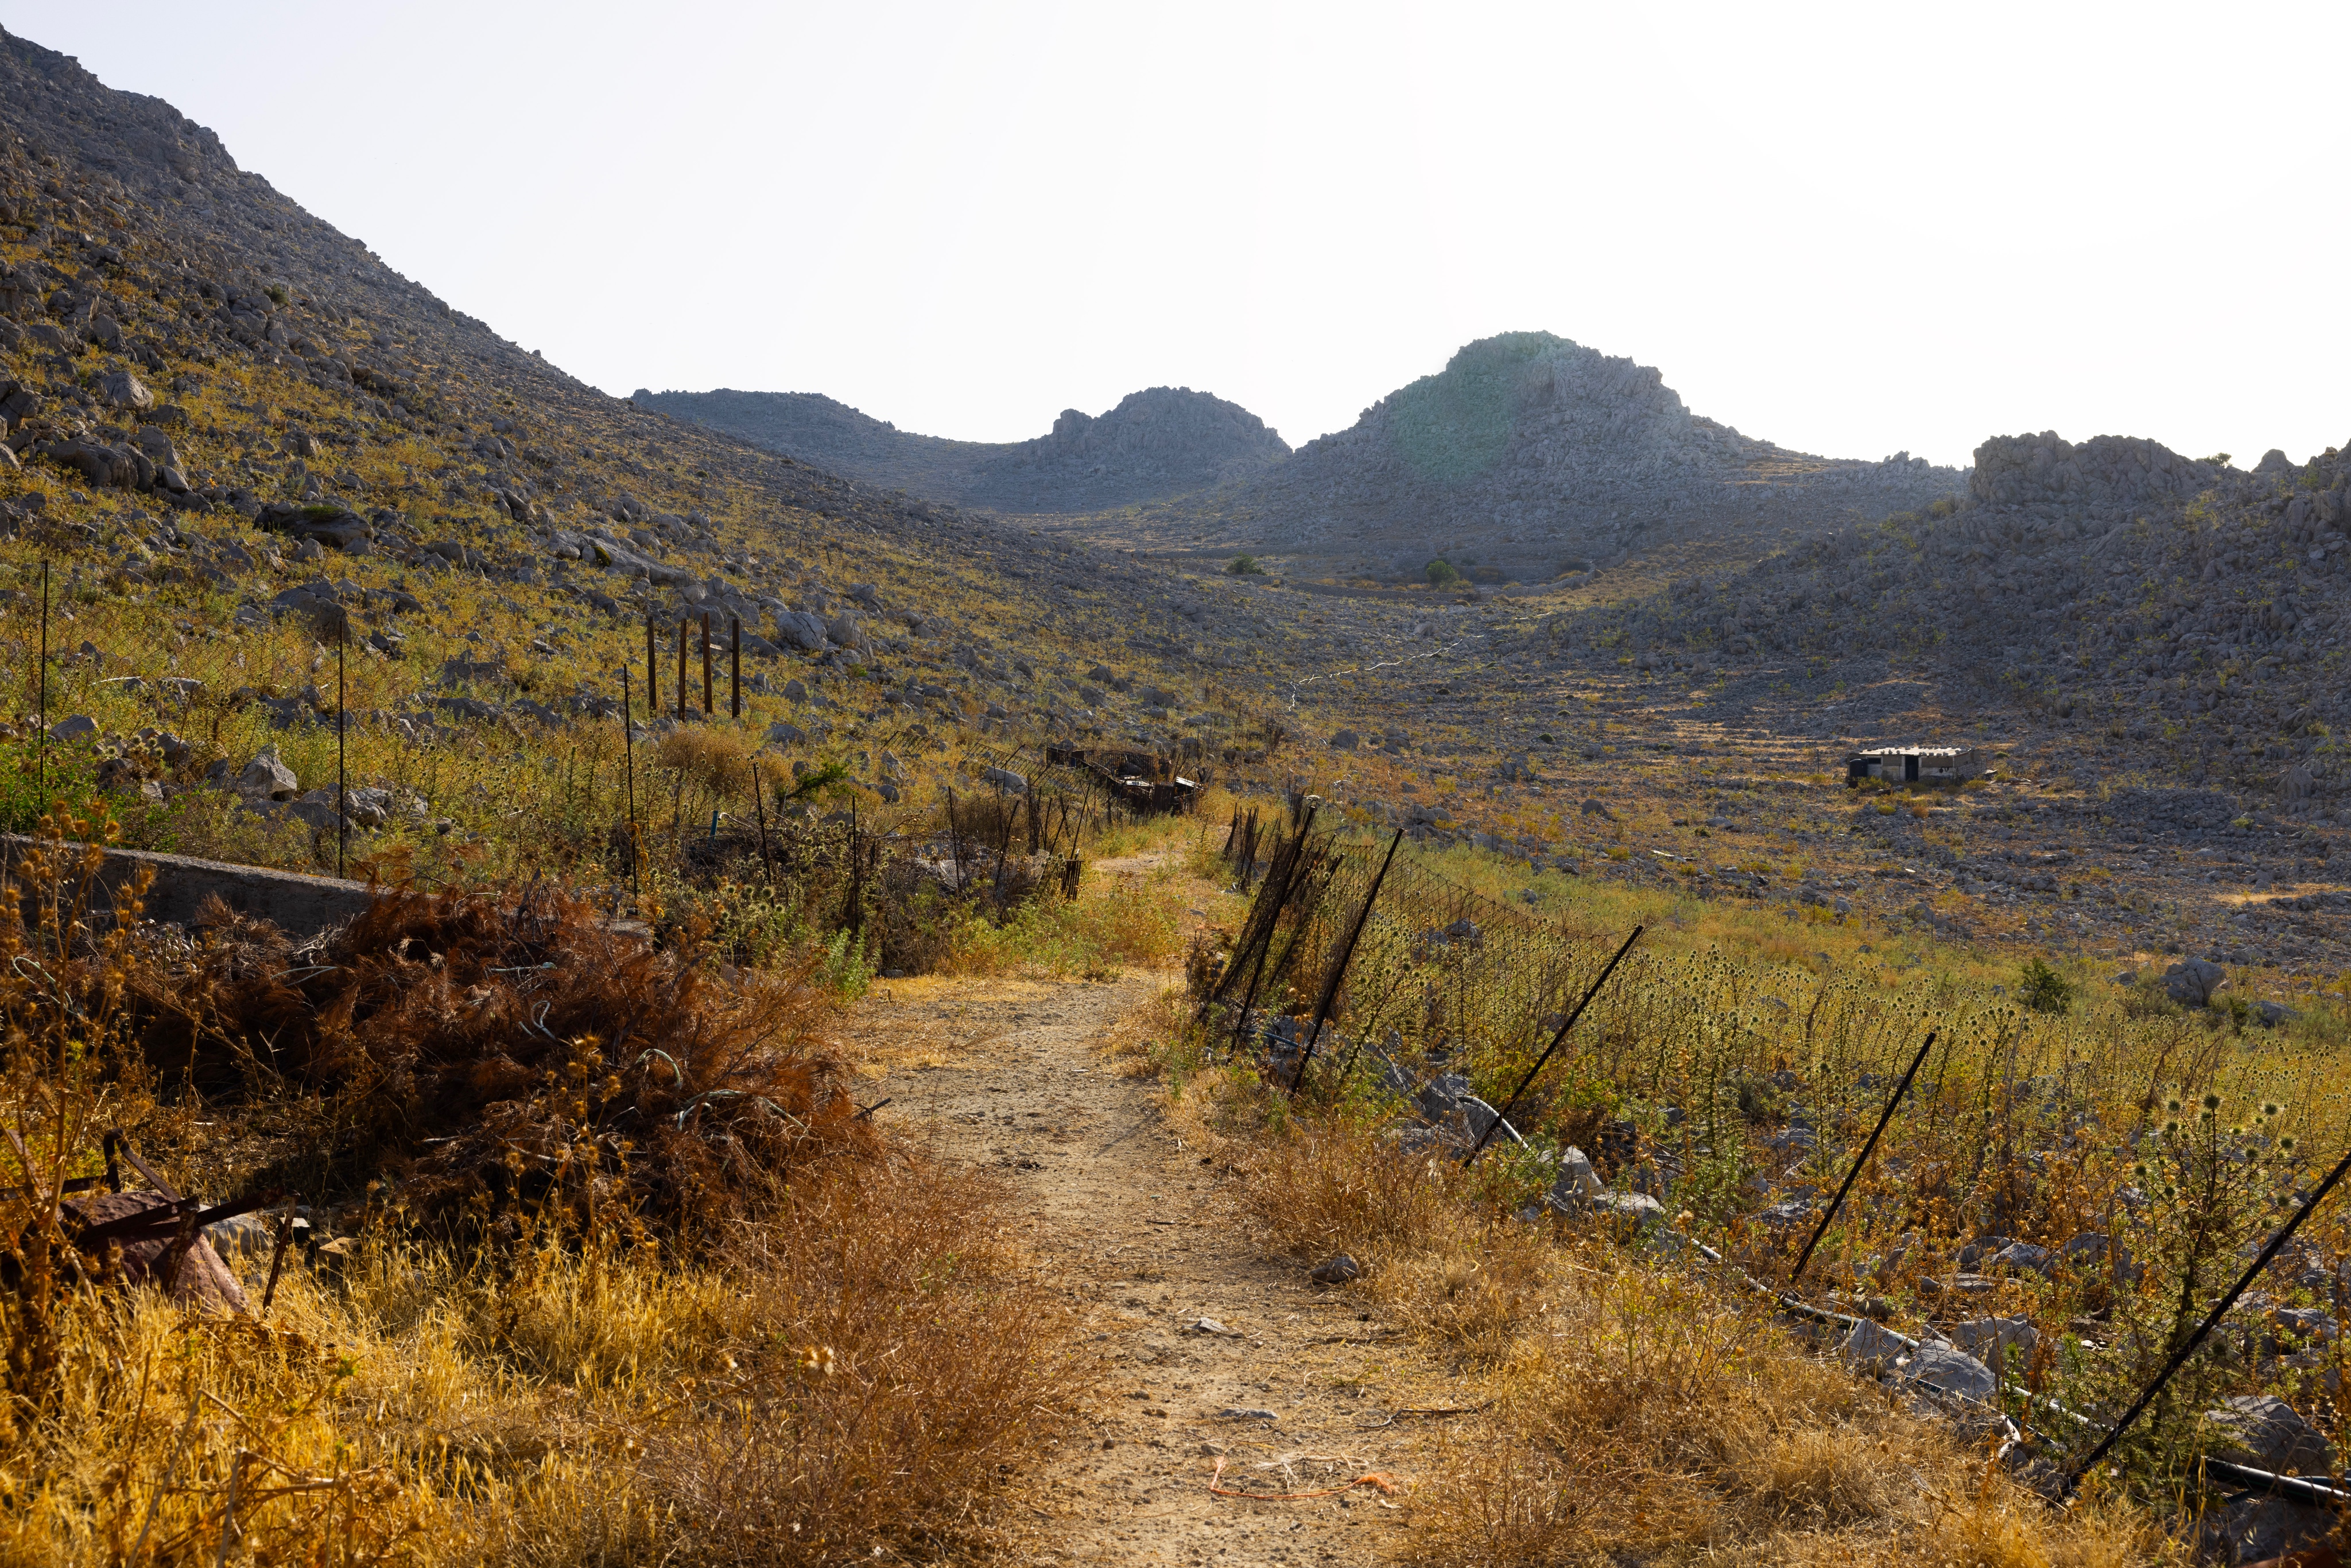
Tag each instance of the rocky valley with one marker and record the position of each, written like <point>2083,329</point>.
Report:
<point>753,805</point>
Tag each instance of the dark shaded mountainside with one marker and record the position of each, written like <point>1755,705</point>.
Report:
<point>195,375</point>
<point>1158,442</point>
<point>2149,603</point>
<point>1531,451</point>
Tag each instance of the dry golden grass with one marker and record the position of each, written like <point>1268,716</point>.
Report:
<point>1640,1412</point>
<point>868,1369</point>
<point>718,758</point>
<point>1126,920</point>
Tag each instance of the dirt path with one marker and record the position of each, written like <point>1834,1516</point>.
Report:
<point>1014,1078</point>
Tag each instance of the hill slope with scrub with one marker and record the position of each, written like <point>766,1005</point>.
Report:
<point>1161,442</point>
<point>2141,599</point>
<point>1537,455</point>
<point>751,1098</point>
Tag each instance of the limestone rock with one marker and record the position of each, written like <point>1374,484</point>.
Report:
<point>2270,1435</point>
<point>266,776</point>
<point>1949,1371</point>
<point>121,389</point>
<point>2193,982</point>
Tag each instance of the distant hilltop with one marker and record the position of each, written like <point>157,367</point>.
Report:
<point>1533,446</point>
<point>1156,444</point>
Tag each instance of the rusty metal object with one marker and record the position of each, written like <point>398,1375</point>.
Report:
<point>148,1238</point>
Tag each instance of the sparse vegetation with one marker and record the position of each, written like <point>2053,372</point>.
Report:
<point>633,1275</point>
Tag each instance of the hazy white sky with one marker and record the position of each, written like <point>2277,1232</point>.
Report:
<point>1851,230</point>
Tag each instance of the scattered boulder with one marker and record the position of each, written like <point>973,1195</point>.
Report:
<point>73,729</point>
<point>1939,1369</point>
<point>199,1279</point>
<point>2023,1255</point>
<point>1990,1340</point>
<point>336,527</point>
<point>2268,1434</point>
<point>2193,982</point>
<point>799,628</point>
<point>1871,1347</point>
<point>121,389</point>
<point>266,776</point>
<point>1577,1185</point>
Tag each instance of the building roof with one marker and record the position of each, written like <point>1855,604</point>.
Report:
<point>1915,751</point>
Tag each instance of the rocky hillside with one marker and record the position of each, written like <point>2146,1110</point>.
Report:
<point>1532,450</point>
<point>2153,603</point>
<point>831,435</point>
<point>231,431</point>
<point>1162,441</point>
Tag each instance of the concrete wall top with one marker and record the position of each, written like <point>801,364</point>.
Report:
<point>302,905</point>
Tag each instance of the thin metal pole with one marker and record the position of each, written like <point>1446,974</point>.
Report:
<point>1504,1114</point>
<point>342,792</point>
<point>705,666</point>
<point>41,747</point>
<point>2211,1320</point>
<point>1331,986</point>
<point>1862,1159</point>
<point>629,754</point>
<point>681,665</point>
<point>759,803</point>
<point>735,688</point>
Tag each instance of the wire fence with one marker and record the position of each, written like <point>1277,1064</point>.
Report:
<point>1430,971</point>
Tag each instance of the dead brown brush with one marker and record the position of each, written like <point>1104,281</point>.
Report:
<point>491,1052</point>
<point>865,1365</point>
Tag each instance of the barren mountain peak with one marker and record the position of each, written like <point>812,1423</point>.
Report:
<point>1157,443</point>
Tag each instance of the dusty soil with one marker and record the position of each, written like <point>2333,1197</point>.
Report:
<point>1016,1079</point>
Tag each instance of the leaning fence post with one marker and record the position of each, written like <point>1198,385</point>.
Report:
<point>1261,914</point>
<point>1861,1159</point>
<point>2211,1320</point>
<point>1331,986</point>
<point>1279,894</point>
<point>1513,1103</point>
<point>759,803</point>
